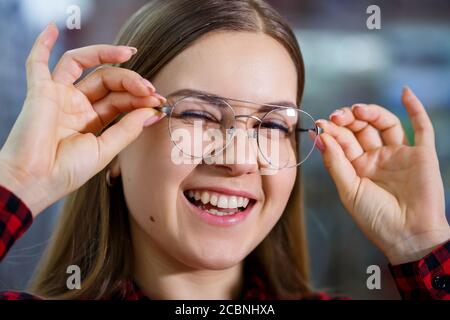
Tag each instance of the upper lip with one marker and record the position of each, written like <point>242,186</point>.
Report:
<point>227,191</point>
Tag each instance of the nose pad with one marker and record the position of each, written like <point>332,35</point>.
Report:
<point>245,153</point>
<point>263,163</point>
<point>238,140</point>
<point>242,150</point>
<point>251,133</point>
<point>243,146</point>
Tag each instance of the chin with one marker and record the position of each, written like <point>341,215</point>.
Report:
<point>217,257</point>
<point>219,263</point>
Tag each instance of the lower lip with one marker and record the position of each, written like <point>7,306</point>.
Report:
<point>228,220</point>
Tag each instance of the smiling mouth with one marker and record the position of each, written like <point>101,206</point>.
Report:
<point>216,203</point>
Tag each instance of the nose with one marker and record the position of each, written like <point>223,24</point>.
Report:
<point>241,154</point>
<point>236,170</point>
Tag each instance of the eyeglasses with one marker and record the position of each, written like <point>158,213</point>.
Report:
<point>203,126</point>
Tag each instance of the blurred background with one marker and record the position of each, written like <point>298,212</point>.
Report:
<point>345,62</point>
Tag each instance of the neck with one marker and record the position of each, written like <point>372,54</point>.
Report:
<point>161,276</point>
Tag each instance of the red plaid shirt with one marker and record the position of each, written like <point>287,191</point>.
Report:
<point>427,278</point>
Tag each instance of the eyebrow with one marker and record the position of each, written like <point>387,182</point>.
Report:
<point>187,92</point>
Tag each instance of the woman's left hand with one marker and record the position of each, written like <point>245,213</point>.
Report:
<point>393,190</point>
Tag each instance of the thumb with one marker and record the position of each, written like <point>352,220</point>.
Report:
<point>340,169</point>
<point>121,134</point>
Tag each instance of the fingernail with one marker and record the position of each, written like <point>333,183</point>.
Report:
<point>160,97</point>
<point>357,106</point>
<point>51,24</point>
<point>133,50</point>
<point>48,26</point>
<point>319,144</point>
<point>336,113</point>
<point>405,89</point>
<point>148,84</point>
<point>153,119</point>
<point>47,40</point>
<point>320,123</point>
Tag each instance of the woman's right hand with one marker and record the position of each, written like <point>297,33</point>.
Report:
<point>54,146</point>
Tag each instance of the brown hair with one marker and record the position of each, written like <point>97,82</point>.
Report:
<point>93,231</point>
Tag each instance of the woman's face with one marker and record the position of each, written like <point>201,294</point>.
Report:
<point>239,65</point>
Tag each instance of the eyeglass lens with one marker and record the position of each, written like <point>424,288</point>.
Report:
<point>203,126</point>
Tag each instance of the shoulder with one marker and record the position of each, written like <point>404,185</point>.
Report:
<point>17,295</point>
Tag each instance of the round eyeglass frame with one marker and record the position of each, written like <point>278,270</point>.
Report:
<point>168,108</point>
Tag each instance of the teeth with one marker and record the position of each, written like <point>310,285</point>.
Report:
<point>223,202</point>
<point>240,202</point>
<point>205,197</point>
<point>213,200</point>
<point>232,202</point>
<point>219,200</point>
<point>214,211</point>
<point>219,213</point>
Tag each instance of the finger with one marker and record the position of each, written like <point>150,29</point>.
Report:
<point>369,138</point>
<point>340,168</point>
<point>357,125</point>
<point>342,116</point>
<point>113,104</point>
<point>102,81</point>
<point>388,124</point>
<point>346,139</point>
<point>37,61</point>
<point>345,117</point>
<point>70,67</point>
<point>421,123</point>
<point>121,134</point>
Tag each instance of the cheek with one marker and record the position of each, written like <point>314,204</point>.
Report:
<point>152,191</point>
<point>151,180</point>
<point>277,190</point>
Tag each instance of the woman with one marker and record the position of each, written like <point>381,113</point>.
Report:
<point>140,225</point>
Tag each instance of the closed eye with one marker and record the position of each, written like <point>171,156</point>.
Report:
<point>276,126</point>
<point>197,115</point>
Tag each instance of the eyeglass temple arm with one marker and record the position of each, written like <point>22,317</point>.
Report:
<point>317,129</point>
<point>164,109</point>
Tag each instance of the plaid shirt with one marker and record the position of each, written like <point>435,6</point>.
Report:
<point>427,278</point>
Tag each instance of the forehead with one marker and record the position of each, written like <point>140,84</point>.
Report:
<point>240,65</point>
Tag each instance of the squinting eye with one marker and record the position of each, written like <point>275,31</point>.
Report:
<point>276,126</point>
<point>198,115</point>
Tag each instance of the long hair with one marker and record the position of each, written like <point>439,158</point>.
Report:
<point>93,230</point>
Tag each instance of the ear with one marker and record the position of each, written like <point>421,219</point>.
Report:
<point>114,167</point>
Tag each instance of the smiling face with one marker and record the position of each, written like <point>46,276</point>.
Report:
<point>161,196</point>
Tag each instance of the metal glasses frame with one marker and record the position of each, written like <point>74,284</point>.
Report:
<point>168,108</point>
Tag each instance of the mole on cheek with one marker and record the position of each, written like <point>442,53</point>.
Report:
<point>152,219</point>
